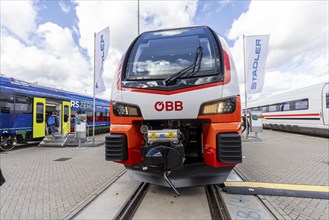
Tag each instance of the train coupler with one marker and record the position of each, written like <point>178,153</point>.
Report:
<point>162,156</point>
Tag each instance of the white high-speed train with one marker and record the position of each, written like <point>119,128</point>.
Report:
<point>302,111</point>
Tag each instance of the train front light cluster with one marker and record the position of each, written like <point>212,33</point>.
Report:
<point>223,106</point>
<point>123,109</point>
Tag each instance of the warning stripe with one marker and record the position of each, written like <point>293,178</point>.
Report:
<point>278,186</point>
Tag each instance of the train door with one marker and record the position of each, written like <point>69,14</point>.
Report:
<point>39,117</point>
<point>66,117</point>
<point>325,104</point>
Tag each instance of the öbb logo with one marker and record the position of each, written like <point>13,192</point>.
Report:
<point>168,106</point>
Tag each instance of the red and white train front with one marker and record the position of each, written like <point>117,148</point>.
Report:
<point>175,109</point>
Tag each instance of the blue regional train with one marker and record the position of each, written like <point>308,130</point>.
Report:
<point>25,107</point>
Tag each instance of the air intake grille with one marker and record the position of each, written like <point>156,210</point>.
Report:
<point>116,147</point>
<point>229,148</point>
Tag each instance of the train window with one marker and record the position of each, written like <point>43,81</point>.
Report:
<point>6,105</point>
<point>23,100</point>
<point>21,105</point>
<point>40,110</point>
<point>11,100</point>
<point>66,113</point>
<point>73,112</point>
<point>301,104</point>
<point>264,109</point>
<point>272,108</point>
<point>89,116</point>
<point>327,100</point>
<point>158,55</point>
<point>285,106</point>
<point>5,110</point>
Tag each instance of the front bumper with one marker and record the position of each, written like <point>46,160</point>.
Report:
<point>221,144</point>
<point>191,175</point>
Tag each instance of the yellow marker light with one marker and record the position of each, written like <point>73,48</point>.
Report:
<point>223,106</point>
<point>210,109</point>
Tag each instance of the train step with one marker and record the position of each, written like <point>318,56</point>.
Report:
<point>57,140</point>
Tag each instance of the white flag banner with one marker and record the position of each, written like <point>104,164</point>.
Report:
<point>102,43</point>
<point>256,49</point>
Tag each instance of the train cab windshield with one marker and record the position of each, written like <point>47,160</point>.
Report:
<point>187,54</point>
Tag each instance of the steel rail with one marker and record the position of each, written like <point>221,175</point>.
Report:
<point>129,209</point>
<point>215,202</point>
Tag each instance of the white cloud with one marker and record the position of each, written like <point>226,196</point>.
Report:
<point>65,8</point>
<point>56,61</point>
<point>47,53</point>
<point>298,31</point>
<point>165,15</point>
<point>121,17</point>
<point>18,17</point>
<point>222,4</point>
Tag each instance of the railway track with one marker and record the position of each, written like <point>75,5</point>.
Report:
<point>216,206</point>
<point>131,206</point>
<point>126,199</point>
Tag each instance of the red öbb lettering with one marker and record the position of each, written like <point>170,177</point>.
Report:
<point>168,106</point>
<point>178,106</point>
<point>159,106</point>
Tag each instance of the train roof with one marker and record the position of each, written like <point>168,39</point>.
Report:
<point>29,88</point>
<point>177,28</point>
<point>296,94</point>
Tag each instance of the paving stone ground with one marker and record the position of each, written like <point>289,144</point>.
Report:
<point>289,159</point>
<point>37,187</point>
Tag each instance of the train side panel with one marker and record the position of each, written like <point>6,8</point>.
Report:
<point>25,107</point>
<point>301,111</point>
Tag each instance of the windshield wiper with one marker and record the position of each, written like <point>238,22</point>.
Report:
<point>195,67</point>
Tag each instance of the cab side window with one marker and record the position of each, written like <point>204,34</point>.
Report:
<point>40,110</point>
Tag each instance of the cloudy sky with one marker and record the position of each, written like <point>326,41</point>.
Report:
<point>51,42</point>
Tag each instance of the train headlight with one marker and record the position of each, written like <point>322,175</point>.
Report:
<point>223,106</point>
<point>123,109</point>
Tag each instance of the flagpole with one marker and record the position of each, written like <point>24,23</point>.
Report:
<point>138,17</point>
<point>94,106</point>
<point>245,87</point>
